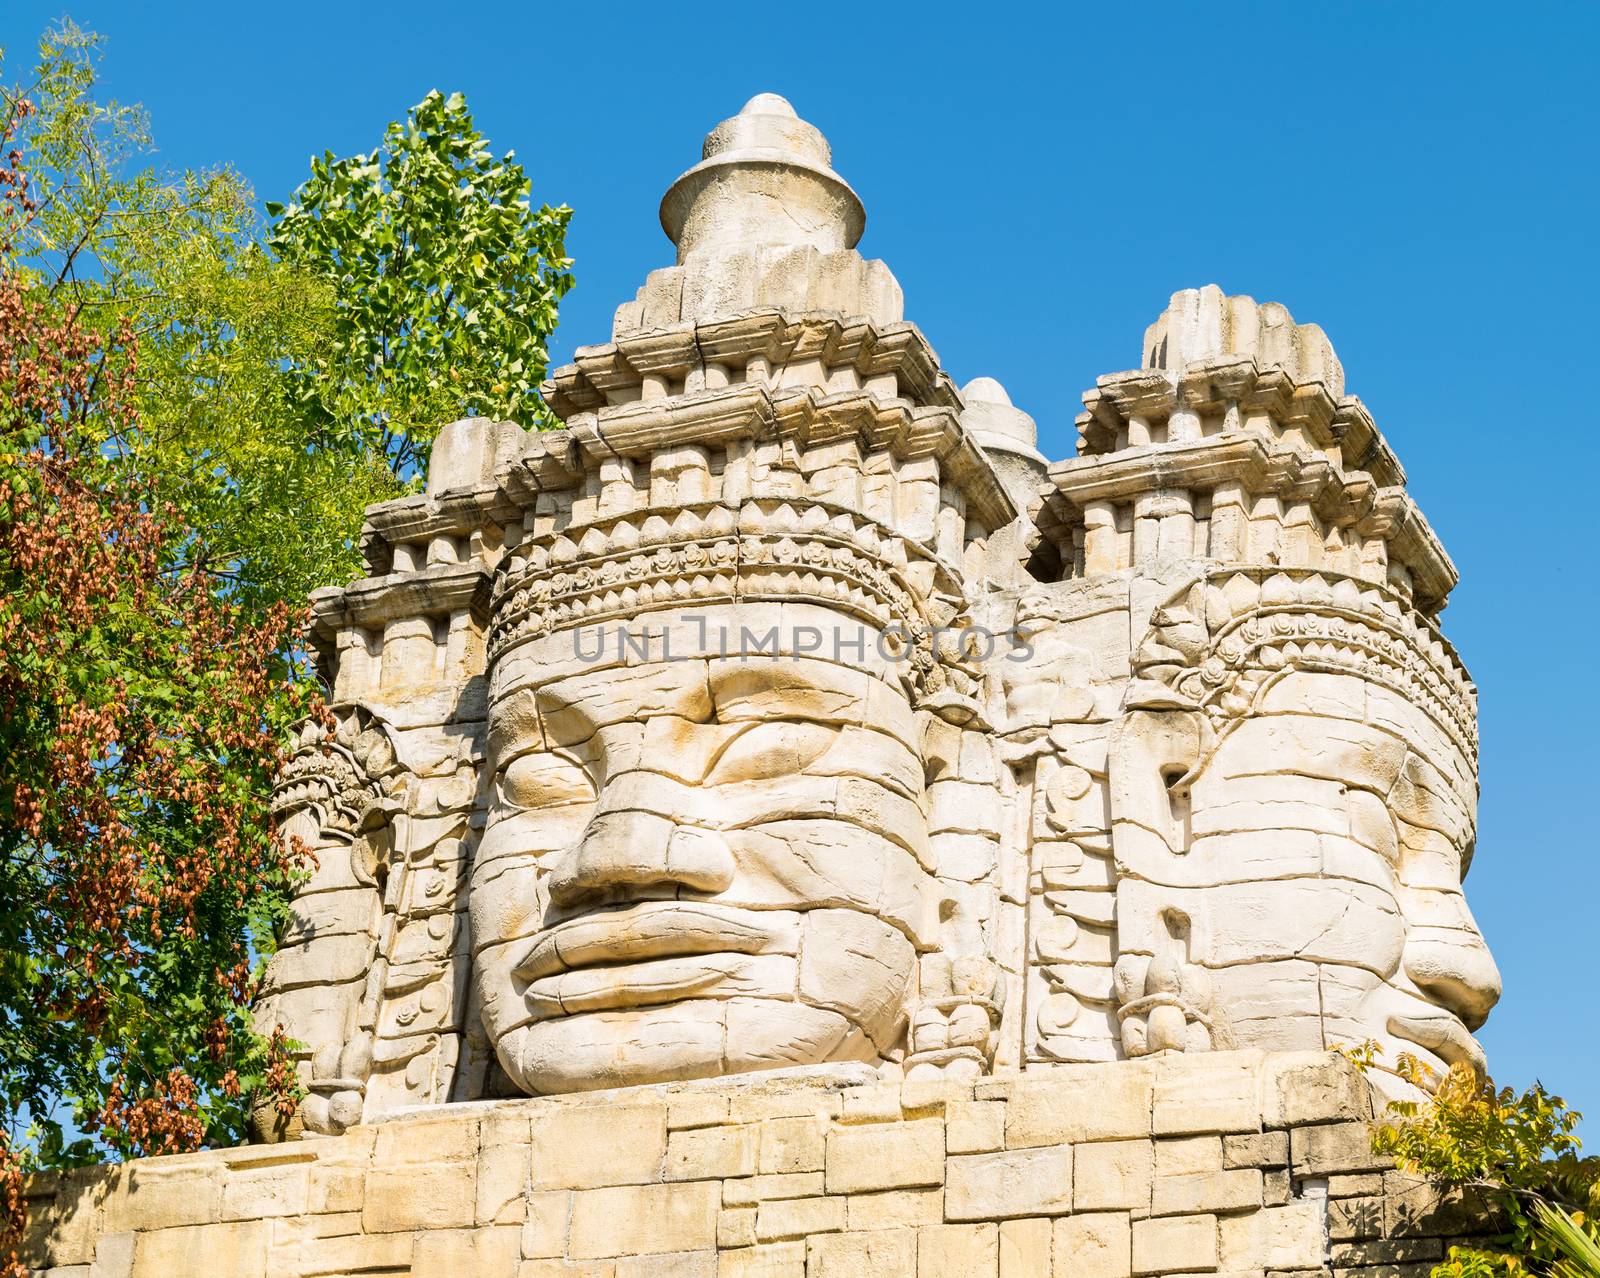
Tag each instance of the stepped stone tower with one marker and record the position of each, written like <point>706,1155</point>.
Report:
<point>877,849</point>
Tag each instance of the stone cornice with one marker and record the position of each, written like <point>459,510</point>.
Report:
<point>432,592</point>
<point>616,370</point>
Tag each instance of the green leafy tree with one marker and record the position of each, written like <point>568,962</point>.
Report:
<point>141,714</point>
<point>274,494</point>
<point>190,425</point>
<point>446,281</point>
<point>1518,1148</point>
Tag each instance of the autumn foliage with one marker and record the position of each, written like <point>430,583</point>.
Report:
<point>141,711</point>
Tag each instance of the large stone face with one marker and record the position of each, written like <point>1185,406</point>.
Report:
<point>786,708</point>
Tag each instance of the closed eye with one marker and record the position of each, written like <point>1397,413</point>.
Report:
<point>545,781</point>
<point>767,750</point>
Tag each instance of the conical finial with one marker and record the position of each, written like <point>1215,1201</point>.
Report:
<point>995,422</point>
<point>765,179</point>
<point>768,104</point>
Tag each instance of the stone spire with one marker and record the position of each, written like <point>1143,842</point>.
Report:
<point>763,223</point>
<point>765,179</point>
<point>1007,435</point>
<point>1205,324</point>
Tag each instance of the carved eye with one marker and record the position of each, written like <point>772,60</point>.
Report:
<point>544,781</point>
<point>768,750</point>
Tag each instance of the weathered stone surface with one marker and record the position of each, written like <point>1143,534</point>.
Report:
<point>885,1195</point>
<point>1012,1182</point>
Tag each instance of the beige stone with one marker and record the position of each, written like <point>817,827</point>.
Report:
<point>894,1208</point>
<point>1061,815</point>
<point>1174,1244</point>
<point>1093,1245</point>
<point>637,1219</point>
<point>424,1196</point>
<point>238,1250</point>
<point>958,1251</point>
<point>1012,1182</point>
<point>1112,1176</point>
<point>772,1260</point>
<point>445,1253</point>
<point>782,1218</point>
<point>1025,1248</point>
<point>1217,1191</point>
<point>712,1152</point>
<point>1288,1237</point>
<point>975,1127</point>
<point>883,1253</point>
<point>544,1226</point>
<point>882,1157</point>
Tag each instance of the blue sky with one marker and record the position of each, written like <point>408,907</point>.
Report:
<point>1419,179</point>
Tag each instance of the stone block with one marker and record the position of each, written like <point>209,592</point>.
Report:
<point>1025,1248</point>
<point>1386,1251</point>
<point>1112,1176</point>
<point>449,1253</point>
<point>736,1227</point>
<point>683,1264</point>
<point>1175,1244</point>
<point>425,1140</point>
<point>355,1254</point>
<point>1313,1087</point>
<point>503,1169</point>
<point>904,1155</point>
<point>1093,1245</point>
<point>1288,1237</point>
<point>696,1109</point>
<point>894,1208</point>
<point>792,1145</point>
<point>879,1103</point>
<point>1256,1149</point>
<point>757,1189</point>
<point>782,1218</point>
<point>881,1253</point>
<point>238,1249</point>
<point>634,1220</point>
<point>1188,1156</point>
<point>567,1269</point>
<point>423,1196</point>
<point>113,1256</point>
<point>974,1127</point>
<point>544,1228</point>
<point>1220,1191</point>
<point>591,1147</point>
<point>1206,1094</point>
<point>771,1260</point>
<point>1010,1182</point>
<point>255,1192</point>
<point>1084,1103</point>
<point>958,1251</point>
<point>704,1153</point>
<point>160,1193</point>
<point>1333,1147</point>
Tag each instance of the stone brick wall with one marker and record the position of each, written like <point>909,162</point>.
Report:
<point>1235,1164</point>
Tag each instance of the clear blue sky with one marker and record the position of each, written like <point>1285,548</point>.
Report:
<point>1419,179</point>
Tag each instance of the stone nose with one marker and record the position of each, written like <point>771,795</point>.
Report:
<point>622,854</point>
<point>1448,958</point>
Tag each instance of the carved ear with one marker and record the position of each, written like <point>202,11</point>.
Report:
<point>1153,754</point>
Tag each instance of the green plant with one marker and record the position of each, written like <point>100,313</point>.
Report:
<point>1521,1149</point>
<point>445,280</point>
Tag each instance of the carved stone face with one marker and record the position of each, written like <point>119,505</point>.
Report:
<point>696,867</point>
<point>1326,835</point>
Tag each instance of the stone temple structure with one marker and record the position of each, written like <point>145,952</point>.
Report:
<point>781,824</point>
